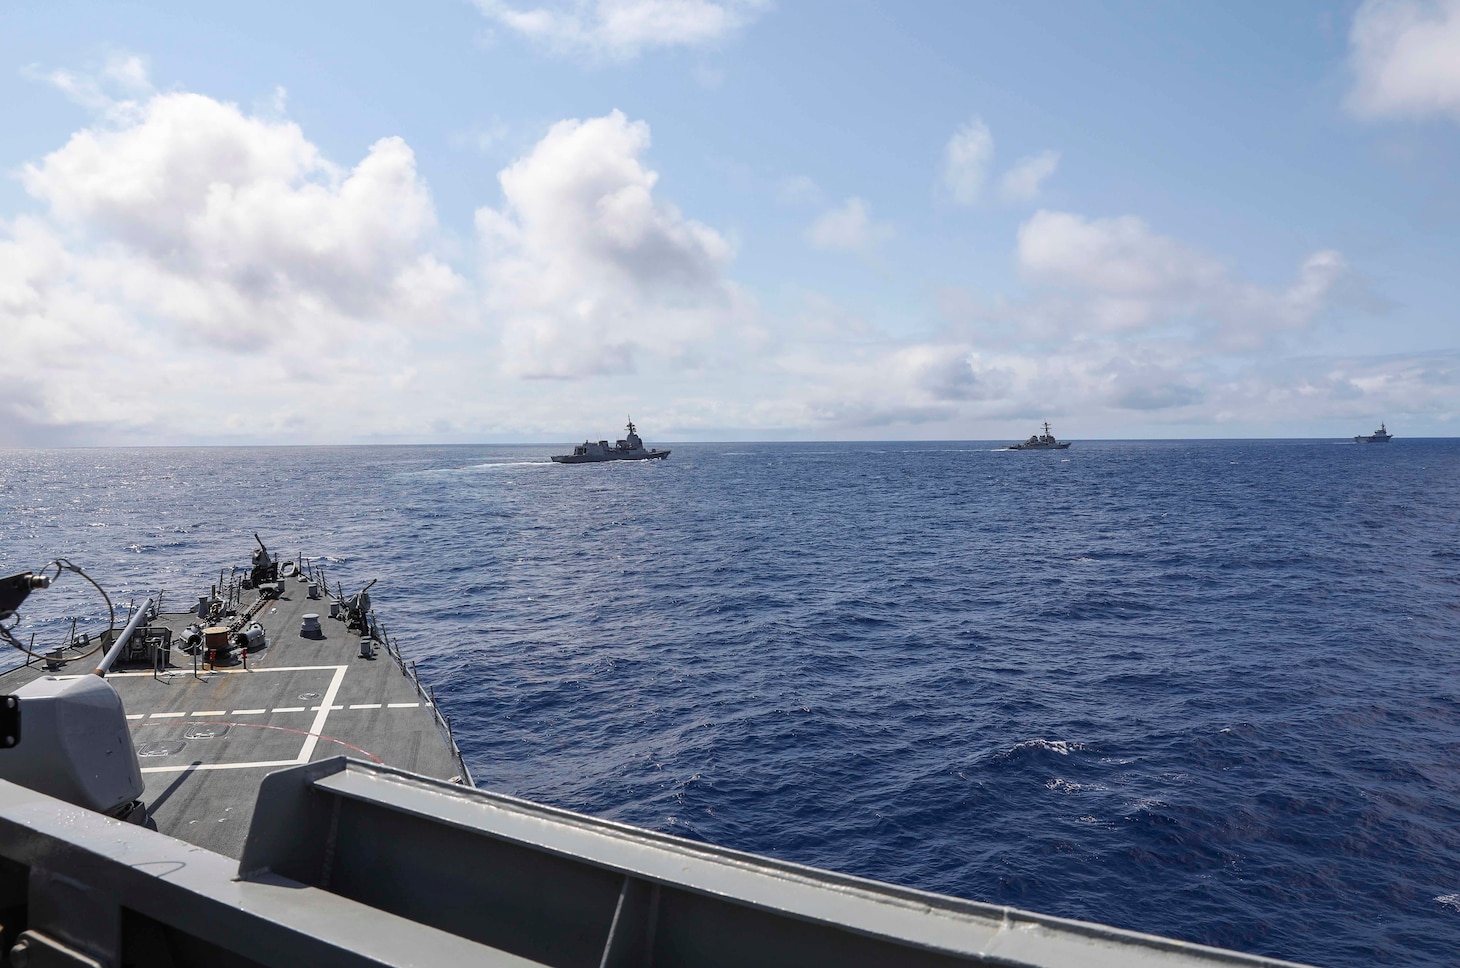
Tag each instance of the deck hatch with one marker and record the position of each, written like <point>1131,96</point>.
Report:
<point>162,747</point>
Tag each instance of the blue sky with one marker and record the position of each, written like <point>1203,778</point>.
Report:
<point>746,220</point>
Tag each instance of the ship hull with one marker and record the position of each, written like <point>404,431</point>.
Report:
<point>593,459</point>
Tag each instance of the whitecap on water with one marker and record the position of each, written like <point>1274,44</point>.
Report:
<point>1059,746</point>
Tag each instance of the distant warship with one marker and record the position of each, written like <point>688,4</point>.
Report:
<point>1380,436</point>
<point>1044,441</point>
<point>629,448</point>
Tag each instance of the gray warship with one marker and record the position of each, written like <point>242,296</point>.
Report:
<point>1380,436</point>
<point>1044,441</point>
<point>631,447</point>
<point>263,780</point>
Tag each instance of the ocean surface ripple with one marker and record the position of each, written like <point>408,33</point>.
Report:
<point>1203,689</point>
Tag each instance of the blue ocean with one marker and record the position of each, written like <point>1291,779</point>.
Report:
<point>1202,689</point>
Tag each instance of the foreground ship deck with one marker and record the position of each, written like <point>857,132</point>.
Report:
<point>314,810</point>
<point>205,738</point>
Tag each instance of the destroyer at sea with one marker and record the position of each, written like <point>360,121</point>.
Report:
<point>631,447</point>
<point>264,780</point>
<point>1044,441</point>
<point>1380,436</point>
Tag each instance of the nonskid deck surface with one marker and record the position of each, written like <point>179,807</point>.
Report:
<point>205,739</point>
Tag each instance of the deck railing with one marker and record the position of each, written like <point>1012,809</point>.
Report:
<point>378,634</point>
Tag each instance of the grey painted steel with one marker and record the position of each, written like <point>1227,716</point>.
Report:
<point>138,617</point>
<point>196,730</point>
<point>113,891</point>
<point>568,890</point>
<point>74,744</point>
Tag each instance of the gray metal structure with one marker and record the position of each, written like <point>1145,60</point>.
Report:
<point>350,863</point>
<point>631,447</point>
<point>1380,436</point>
<point>206,733</point>
<point>1044,441</point>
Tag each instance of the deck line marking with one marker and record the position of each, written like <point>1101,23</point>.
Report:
<point>218,766</point>
<point>277,709</point>
<point>222,672</point>
<point>325,705</point>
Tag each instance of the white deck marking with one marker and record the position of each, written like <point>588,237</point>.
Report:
<point>217,766</point>
<point>278,709</point>
<point>325,705</point>
<point>221,672</point>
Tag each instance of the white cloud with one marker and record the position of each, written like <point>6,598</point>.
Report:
<point>621,29</point>
<point>1405,56</point>
<point>1119,276</point>
<point>885,383</point>
<point>222,259</point>
<point>1022,182</point>
<point>966,161</point>
<point>798,190</point>
<point>235,224</point>
<point>256,289</point>
<point>848,227</point>
<point>111,89</point>
<point>1121,326</point>
<point>587,271</point>
<point>1116,256</point>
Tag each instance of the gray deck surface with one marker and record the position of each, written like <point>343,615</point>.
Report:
<point>206,741</point>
